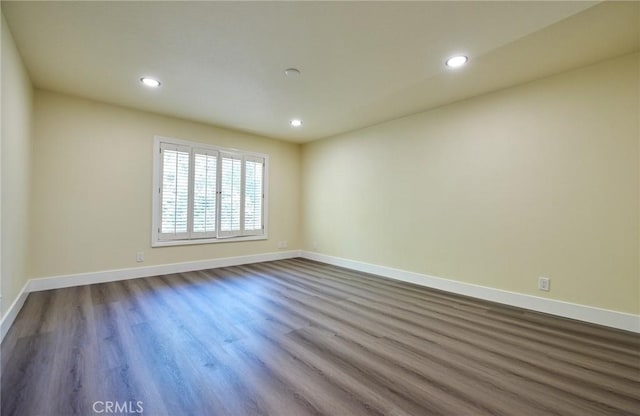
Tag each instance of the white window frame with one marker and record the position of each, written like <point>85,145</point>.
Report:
<point>157,239</point>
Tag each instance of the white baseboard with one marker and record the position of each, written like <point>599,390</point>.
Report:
<point>614,319</point>
<point>620,320</point>
<point>58,282</point>
<point>12,312</point>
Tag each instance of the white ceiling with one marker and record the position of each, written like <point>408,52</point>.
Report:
<point>361,62</point>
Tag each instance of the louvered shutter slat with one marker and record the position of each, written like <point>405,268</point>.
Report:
<point>175,193</point>
<point>253,193</point>
<point>204,194</point>
<point>230,183</point>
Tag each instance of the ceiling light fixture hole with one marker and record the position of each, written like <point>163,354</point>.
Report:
<point>292,72</point>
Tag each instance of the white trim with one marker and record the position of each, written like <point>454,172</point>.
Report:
<point>12,312</point>
<point>606,317</point>
<point>62,281</point>
<point>168,243</point>
<point>614,319</point>
<point>202,145</point>
<point>57,282</point>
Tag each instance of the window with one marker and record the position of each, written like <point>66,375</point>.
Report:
<point>206,194</point>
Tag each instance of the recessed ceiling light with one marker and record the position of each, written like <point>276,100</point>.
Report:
<point>150,82</point>
<point>296,122</point>
<point>457,61</point>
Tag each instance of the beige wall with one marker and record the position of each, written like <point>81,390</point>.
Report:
<point>537,180</point>
<point>15,163</point>
<point>92,187</point>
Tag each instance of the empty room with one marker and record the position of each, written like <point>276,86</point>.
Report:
<point>320,208</point>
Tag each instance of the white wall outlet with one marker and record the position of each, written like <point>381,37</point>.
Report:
<point>283,244</point>
<point>140,256</point>
<point>544,283</point>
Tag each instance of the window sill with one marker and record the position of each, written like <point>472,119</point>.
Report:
<point>168,243</point>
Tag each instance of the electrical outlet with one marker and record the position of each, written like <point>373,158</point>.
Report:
<point>544,283</point>
<point>283,244</point>
<point>140,256</point>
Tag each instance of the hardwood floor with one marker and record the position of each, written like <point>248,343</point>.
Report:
<point>296,337</point>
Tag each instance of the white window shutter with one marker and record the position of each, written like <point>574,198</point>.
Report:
<point>253,195</point>
<point>205,193</point>
<point>230,195</point>
<point>205,190</point>
<point>174,192</point>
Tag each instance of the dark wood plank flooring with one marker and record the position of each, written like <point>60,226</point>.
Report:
<point>296,337</point>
